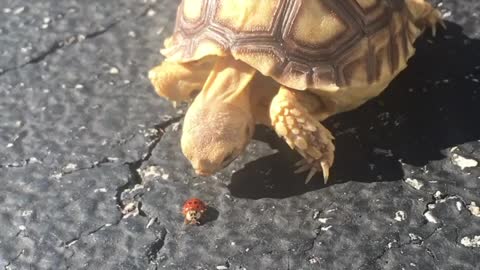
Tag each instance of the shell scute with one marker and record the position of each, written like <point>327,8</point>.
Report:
<point>302,44</point>
<point>247,16</point>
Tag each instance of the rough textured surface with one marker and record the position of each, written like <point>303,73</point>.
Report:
<point>83,139</point>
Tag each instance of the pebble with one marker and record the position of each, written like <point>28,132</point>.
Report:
<point>474,209</point>
<point>19,10</point>
<point>471,242</point>
<point>463,162</point>
<point>114,70</point>
<point>400,216</point>
<point>326,228</point>
<point>323,220</point>
<point>430,218</point>
<point>414,183</point>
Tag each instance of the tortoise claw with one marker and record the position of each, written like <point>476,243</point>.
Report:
<point>303,133</point>
<point>303,166</point>
<point>434,18</point>
<point>310,175</point>
<point>326,171</point>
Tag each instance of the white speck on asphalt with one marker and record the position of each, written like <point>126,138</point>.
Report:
<point>326,228</point>
<point>114,70</point>
<point>400,216</point>
<point>71,167</point>
<point>415,237</point>
<point>471,242</point>
<point>323,220</point>
<point>430,218</point>
<point>438,195</point>
<point>463,162</point>
<point>474,209</point>
<point>414,183</point>
<point>459,206</point>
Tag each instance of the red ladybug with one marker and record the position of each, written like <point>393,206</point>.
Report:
<point>193,210</point>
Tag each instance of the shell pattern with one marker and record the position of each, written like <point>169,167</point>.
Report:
<point>316,44</point>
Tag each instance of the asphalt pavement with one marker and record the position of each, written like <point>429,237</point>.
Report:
<point>92,176</point>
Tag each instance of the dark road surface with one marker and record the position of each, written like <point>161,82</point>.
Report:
<point>92,176</point>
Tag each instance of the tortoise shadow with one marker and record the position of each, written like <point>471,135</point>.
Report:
<point>431,106</point>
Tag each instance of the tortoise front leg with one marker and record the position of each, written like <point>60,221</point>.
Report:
<point>425,14</point>
<point>180,82</point>
<point>434,18</point>
<point>292,115</point>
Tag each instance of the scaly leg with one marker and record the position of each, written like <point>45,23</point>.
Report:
<point>179,82</point>
<point>434,18</point>
<point>292,115</point>
<point>426,14</point>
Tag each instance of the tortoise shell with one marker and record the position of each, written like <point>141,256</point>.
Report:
<point>302,44</point>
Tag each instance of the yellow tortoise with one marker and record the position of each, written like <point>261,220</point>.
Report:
<point>287,64</point>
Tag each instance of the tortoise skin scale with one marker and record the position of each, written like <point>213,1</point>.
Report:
<point>355,43</point>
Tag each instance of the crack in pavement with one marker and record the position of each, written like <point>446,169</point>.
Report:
<point>21,164</point>
<point>154,248</point>
<point>95,164</point>
<point>67,258</point>
<point>437,198</point>
<point>312,242</point>
<point>73,241</point>
<point>7,266</point>
<point>414,240</point>
<point>71,40</point>
<point>317,231</point>
<point>57,45</point>
<point>135,178</point>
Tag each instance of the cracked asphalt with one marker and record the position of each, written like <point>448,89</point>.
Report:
<point>92,176</point>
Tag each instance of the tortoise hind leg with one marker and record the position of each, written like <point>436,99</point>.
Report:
<point>180,82</point>
<point>292,116</point>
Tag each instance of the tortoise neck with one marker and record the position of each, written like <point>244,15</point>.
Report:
<point>229,82</point>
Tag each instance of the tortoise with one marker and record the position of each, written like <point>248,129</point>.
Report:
<point>286,64</point>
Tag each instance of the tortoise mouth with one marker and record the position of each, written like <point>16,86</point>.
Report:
<point>203,172</point>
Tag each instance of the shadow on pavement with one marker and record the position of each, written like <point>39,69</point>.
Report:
<point>210,215</point>
<point>433,105</point>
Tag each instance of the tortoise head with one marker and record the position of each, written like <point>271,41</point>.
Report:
<point>219,124</point>
<point>215,135</point>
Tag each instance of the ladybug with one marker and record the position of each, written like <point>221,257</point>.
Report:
<point>193,210</point>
